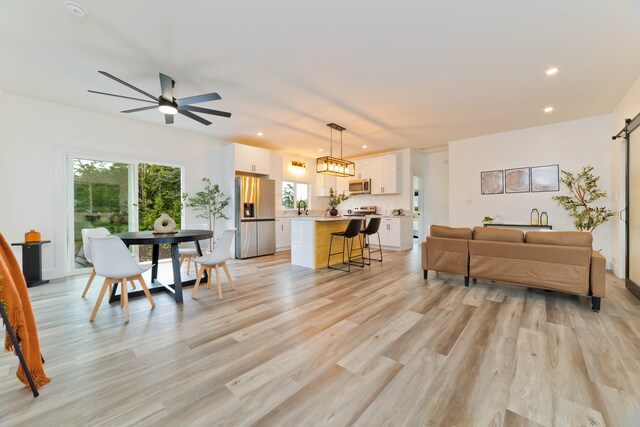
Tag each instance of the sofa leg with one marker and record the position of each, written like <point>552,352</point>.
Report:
<point>595,301</point>
<point>425,273</point>
<point>475,281</point>
<point>466,281</point>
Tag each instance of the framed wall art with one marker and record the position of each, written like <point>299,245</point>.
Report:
<point>545,178</point>
<point>517,180</point>
<point>492,182</point>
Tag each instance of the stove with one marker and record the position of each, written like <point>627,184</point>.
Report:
<point>362,211</point>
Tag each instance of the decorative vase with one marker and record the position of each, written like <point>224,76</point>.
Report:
<point>32,236</point>
<point>333,212</point>
<point>535,217</point>
<point>164,224</point>
<point>544,219</point>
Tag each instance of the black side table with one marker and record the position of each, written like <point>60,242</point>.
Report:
<point>32,262</point>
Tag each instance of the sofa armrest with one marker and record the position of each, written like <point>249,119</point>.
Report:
<point>446,255</point>
<point>597,274</point>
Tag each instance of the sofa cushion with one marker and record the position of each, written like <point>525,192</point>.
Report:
<point>450,232</point>
<point>498,234</point>
<point>560,238</point>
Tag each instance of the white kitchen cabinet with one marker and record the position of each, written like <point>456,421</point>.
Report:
<point>396,233</point>
<point>252,159</point>
<point>283,234</point>
<point>364,168</point>
<point>323,183</point>
<point>385,174</point>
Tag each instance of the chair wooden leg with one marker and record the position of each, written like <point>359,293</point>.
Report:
<point>133,285</point>
<point>226,271</point>
<point>125,297</point>
<point>219,282</point>
<point>199,271</point>
<point>105,285</point>
<point>188,263</point>
<point>209,277</point>
<point>146,290</point>
<point>86,288</point>
<point>181,260</point>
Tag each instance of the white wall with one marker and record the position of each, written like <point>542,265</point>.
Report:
<point>436,166</point>
<point>627,108</point>
<point>572,145</point>
<point>36,134</point>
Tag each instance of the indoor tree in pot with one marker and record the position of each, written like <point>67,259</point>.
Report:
<point>584,192</point>
<point>211,201</point>
<point>335,200</point>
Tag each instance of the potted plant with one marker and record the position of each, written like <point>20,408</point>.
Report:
<point>335,200</point>
<point>580,205</point>
<point>211,201</point>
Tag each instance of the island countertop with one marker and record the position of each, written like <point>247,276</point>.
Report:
<point>321,218</point>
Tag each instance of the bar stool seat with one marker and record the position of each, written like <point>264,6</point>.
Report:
<point>352,231</point>
<point>372,228</point>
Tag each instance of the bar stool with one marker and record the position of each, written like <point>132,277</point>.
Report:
<point>352,231</point>
<point>372,228</point>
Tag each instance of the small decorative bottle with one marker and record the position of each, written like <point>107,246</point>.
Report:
<point>544,219</point>
<point>535,218</point>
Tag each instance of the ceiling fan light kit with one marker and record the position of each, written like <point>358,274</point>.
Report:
<point>332,165</point>
<point>166,103</point>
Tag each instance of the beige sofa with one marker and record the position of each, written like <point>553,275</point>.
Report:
<point>557,260</point>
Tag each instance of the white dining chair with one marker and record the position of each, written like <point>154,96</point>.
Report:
<point>86,247</point>
<point>188,251</point>
<point>113,261</point>
<point>221,253</point>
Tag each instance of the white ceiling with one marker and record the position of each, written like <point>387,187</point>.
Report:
<point>412,73</point>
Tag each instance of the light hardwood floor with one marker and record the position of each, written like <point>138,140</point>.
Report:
<point>292,346</point>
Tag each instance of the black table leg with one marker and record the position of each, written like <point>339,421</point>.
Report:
<point>155,254</point>
<point>113,297</point>
<point>177,278</point>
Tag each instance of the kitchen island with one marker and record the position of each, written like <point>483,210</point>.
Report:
<point>310,240</point>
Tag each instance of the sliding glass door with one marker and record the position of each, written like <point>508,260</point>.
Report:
<point>119,197</point>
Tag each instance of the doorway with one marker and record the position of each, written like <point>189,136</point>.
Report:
<point>417,203</point>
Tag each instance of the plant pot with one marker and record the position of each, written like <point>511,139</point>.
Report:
<point>333,212</point>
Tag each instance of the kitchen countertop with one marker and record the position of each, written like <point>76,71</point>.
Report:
<point>320,218</point>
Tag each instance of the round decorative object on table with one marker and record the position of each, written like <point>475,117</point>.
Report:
<point>32,236</point>
<point>164,224</point>
<point>333,212</point>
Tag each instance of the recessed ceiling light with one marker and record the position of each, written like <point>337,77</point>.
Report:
<point>320,149</point>
<point>551,71</point>
<point>259,133</point>
<point>75,9</point>
<point>548,109</point>
<point>364,146</point>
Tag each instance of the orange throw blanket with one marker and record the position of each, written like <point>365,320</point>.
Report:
<point>13,291</point>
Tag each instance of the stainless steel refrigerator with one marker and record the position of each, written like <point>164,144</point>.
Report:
<point>255,216</point>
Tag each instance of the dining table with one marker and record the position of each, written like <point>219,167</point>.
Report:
<point>156,239</point>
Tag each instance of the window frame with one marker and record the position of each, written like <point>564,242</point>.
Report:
<point>295,194</point>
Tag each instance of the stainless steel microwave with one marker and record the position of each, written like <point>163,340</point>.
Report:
<point>360,186</point>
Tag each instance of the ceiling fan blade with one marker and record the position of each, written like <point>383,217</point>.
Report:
<point>204,110</point>
<point>135,110</point>
<point>104,73</point>
<point>168,119</point>
<point>194,117</point>
<point>199,98</point>
<point>166,84</point>
<point>119,96</point>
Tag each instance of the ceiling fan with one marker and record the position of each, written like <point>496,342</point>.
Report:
<point>166,103</point>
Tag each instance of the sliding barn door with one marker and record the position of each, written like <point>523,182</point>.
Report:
<point>633,260</point>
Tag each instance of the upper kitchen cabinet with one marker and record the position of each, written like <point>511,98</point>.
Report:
<point>384,172</point>
<point>252,159</point>
<point>323,183</point>
<point>364,168</point>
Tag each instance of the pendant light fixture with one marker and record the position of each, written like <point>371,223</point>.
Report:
<point>332,165</point>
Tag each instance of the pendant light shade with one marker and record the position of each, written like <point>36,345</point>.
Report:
<point>332,165</point>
